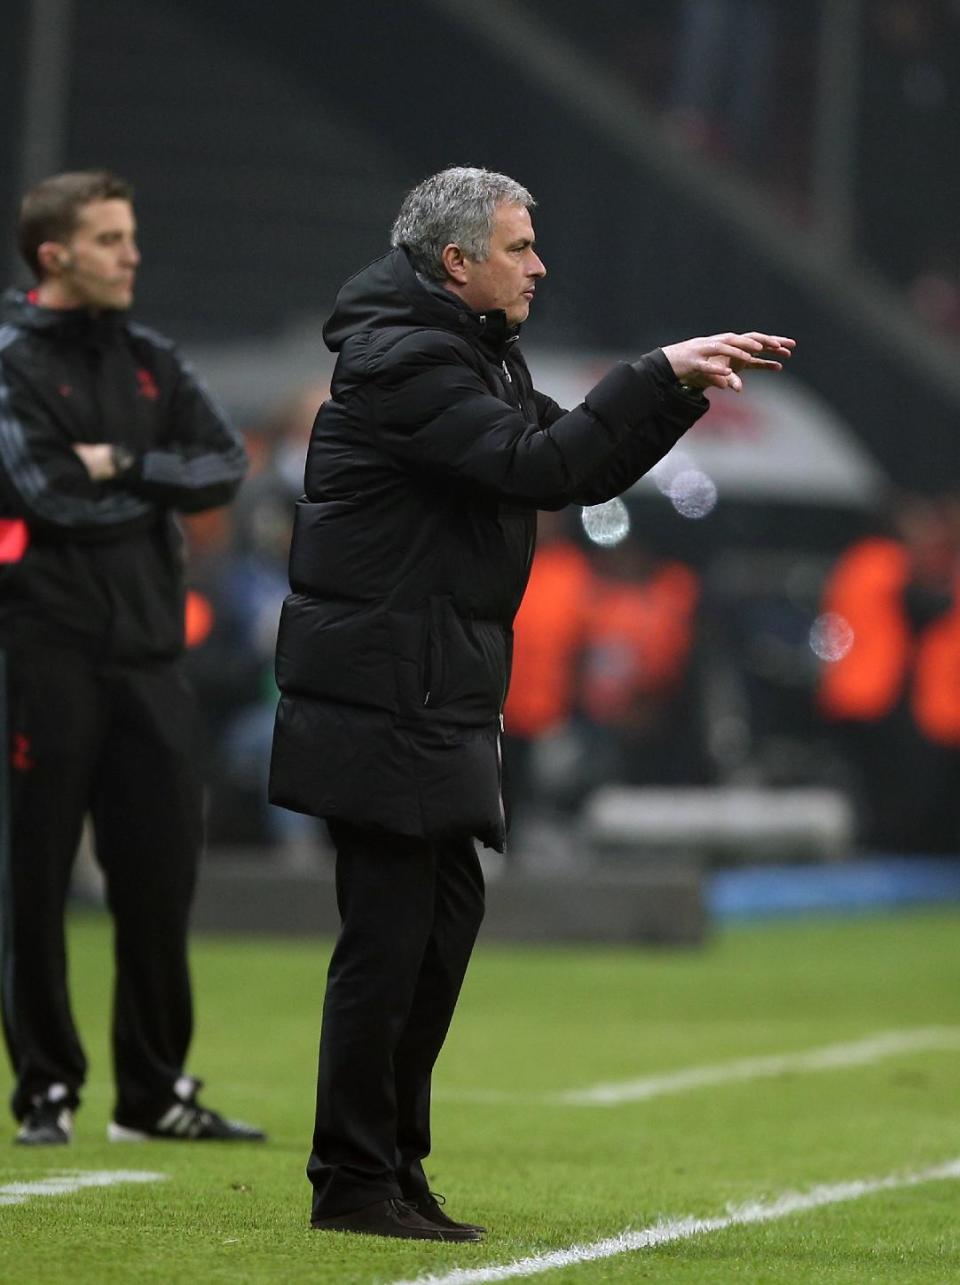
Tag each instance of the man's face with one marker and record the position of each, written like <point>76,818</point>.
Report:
<point>97,265</point>
<point>508,276</point>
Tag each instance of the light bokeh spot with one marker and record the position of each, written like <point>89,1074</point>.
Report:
<point>692,493</point>
<point>831,637</point>
<point>606,524</point>
<point>663,473</point>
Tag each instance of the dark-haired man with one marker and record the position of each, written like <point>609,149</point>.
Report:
<point>411,552</point>
<point>104,434</point>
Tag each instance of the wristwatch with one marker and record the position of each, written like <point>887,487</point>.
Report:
<point>122,458</point>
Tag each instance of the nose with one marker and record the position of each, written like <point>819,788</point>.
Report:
<point>537,268</point>
<point>131,254</point>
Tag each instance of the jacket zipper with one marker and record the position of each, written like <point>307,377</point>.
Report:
<point>433,658</point>
<point>503,810</point>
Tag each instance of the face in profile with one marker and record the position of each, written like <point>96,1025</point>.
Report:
<point>507,278</point>
<point>96,266</point>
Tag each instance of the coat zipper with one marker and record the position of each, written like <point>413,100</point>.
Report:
<point>503,810</point>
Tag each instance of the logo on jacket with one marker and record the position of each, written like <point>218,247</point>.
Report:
<point>65,390</point>
<point>147,385</point>
<point>20,758</point>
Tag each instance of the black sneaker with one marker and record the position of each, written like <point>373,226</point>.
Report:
<point>428,1206</point>
<point>49,1122</point>
<point>392,1218</point>
<point>185,1120</point>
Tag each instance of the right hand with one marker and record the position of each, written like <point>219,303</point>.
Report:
<point>97,459</point>
<point>715,361</point>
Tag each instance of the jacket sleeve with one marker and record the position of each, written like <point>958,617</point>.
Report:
<point>433,410</point>
<point>43,481</point>
<point>202,460</point>
<point>675,412</point>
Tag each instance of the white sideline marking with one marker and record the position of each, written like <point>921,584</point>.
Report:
<point>67,1182</point>
<point>672,1229</point>
<point>829,1058</point>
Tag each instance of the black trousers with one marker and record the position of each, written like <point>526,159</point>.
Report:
<point>115,742</point>
<point>410,912</point>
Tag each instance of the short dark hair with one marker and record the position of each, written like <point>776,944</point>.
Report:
<point>50,210</point>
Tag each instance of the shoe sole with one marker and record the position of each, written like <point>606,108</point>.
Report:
<point>120,1133</point>
<point>442,1233</point>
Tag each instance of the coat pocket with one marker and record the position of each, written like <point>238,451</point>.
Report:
<point>449,669</point>
<point>465,665</point>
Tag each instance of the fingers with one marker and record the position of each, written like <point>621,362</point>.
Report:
<point>720,376</point>
<point>727,354</point>
<point>96,458</point>
<point>744,356</point>
<point>717,360</point>
<point>755,342</point>
<point>725,364</point>
<point>773,343</point>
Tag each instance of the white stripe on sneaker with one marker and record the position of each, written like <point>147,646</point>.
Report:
<point>120,1133</point>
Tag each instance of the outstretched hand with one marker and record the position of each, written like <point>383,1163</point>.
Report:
<point>716,361</point>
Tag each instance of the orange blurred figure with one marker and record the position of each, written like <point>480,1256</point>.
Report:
<point>548,633</point>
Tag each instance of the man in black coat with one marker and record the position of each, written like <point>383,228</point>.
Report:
<point>104,434</point>
<point>410,555</point>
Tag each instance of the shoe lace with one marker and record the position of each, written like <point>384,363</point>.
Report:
<point>194,1116</point>
<point>187,1118</point>
<point>401,1207</point>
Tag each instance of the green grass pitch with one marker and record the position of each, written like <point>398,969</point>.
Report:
<point>542,1175</point>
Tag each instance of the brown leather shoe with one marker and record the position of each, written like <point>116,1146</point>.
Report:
<point>392,1218</point>
<point>428,1206</point>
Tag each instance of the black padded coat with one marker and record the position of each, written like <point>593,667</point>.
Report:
<point>413,543</point>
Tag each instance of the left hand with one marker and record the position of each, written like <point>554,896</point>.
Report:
<point>715,361</point>
<point>97,459</point>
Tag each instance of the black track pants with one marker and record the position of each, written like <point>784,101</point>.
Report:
<point>410,912</point>
<point>116,742</point>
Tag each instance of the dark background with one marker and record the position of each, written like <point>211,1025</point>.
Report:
<point>270,144</point>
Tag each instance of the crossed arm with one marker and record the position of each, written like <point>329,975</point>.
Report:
<point>200,467</point>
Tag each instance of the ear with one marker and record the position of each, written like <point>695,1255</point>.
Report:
<point>455,264</point>
<point>53,257</point>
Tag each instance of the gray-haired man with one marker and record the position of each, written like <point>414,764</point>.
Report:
<point>410,556</point>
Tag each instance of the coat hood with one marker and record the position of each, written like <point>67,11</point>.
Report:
<point>389,292</point>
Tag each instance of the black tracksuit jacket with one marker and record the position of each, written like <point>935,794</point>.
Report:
<point>412,548</point>
<point>103,568</point>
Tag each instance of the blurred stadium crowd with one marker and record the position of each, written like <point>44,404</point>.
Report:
<point>639,659</point>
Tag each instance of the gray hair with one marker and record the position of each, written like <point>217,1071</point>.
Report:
<point>454,207</point>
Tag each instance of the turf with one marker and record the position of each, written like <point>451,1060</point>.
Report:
<point>540,1175</point>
